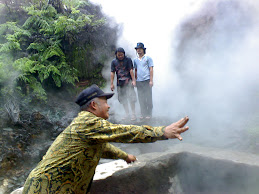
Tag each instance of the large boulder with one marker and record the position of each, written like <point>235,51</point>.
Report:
<point>183,169</point>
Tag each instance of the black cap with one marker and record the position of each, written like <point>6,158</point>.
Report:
<point>90,93</point>
<point>140,45</point>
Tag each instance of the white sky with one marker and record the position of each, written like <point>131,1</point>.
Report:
<point>147,21</point>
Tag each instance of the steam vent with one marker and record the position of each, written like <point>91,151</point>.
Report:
<point>185,169</point>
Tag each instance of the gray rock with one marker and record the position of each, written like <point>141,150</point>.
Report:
<point>183,169</point>
<point>186,169</point>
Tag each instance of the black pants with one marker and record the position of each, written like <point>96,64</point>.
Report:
<point>145,98</point>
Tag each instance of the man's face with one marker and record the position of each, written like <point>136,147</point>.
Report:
<point>102,108</point>
<point>120,55</point>
<point>140,51</point>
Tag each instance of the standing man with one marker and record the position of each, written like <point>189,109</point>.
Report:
<point>123,67</point>
<point>143,65</point>
<point>70,162</point>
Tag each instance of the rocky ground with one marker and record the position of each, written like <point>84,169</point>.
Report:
<point>25,141</point>
<point>184,168</point>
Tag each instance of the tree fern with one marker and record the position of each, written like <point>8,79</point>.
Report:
<point>40,49</point>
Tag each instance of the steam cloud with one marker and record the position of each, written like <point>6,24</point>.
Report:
<point>206,63</point>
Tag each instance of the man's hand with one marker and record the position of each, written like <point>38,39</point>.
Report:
<point>130,158</point>
<point>134,83</point>
<point>175,129</point>
<point>151,84</point>
<point>112,87</point>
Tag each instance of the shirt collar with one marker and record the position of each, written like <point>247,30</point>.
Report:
<point>87,113</point>
<point>142,57</point>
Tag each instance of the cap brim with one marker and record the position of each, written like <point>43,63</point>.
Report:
<point>107,95</point>
<point>139,47</point>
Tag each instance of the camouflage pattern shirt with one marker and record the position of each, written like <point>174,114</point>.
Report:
<point>70,162</point>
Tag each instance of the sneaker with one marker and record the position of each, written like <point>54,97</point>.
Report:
<point>133,118</point>
<point>148,117</point>
<point>141,117</point>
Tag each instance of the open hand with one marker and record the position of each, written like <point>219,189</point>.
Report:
<point>175,129</point>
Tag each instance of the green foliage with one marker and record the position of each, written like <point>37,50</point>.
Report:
<point>75,4</point>
<point>36,49</point>
<point>6,72</point>
<point>13,34</point>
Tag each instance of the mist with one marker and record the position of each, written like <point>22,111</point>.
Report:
<point>205,63</point>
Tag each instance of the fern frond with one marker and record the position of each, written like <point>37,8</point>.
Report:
<point>38,90</point>
<point>9,46</point>
<point>53,69</point>
<point>36,46</point>
<point>9,27</point>
<point>24,65</point>
<point>30,21</point>
<point>24,78</point>
<point>43,24</point>
<point>53,50</point>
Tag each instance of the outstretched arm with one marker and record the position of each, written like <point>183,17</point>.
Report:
<point>112,152</point>
<point>102,131</point>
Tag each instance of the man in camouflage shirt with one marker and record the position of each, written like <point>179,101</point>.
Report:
<point>69,164</point>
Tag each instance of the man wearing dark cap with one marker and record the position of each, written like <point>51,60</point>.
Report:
<point>143,65</point>
<point>123,68</point>
<point>70,162</point>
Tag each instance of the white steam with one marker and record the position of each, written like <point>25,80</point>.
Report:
<point>206,60</point>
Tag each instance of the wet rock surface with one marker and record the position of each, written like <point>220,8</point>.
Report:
<point>186,168</point>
